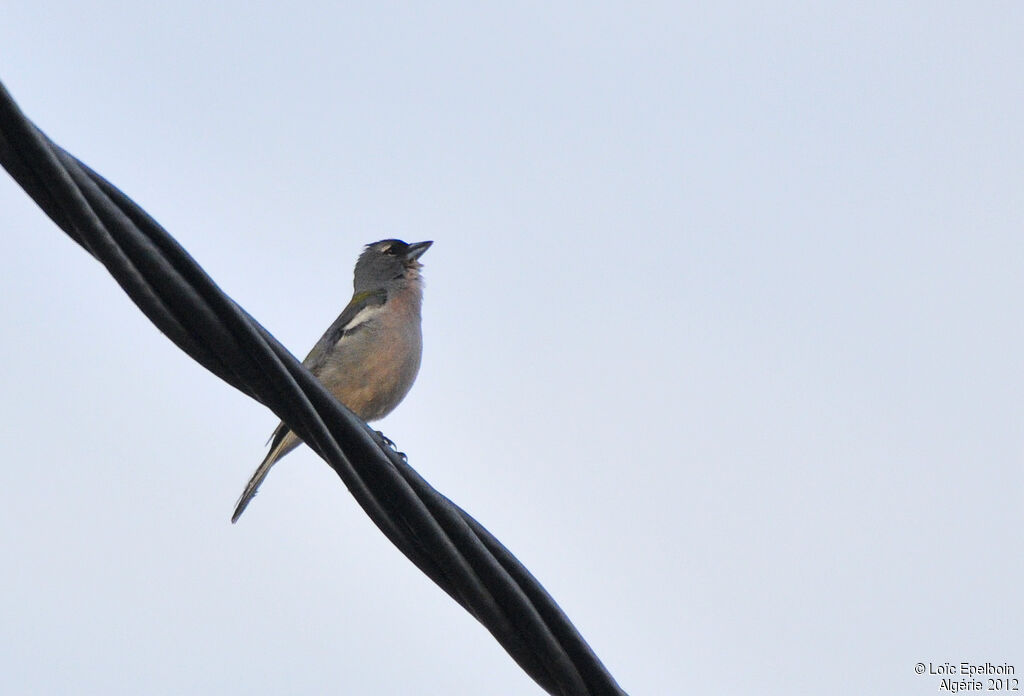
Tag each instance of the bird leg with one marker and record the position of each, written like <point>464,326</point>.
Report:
<point>388,441</point>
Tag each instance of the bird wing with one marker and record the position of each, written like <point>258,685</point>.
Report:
<point>361,307</point>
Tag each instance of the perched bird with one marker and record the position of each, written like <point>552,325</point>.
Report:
<point>370,355</point>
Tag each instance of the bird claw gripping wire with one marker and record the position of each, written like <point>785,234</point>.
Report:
<point>391,445</point>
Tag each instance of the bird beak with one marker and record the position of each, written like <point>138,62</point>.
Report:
<point>416,250</point>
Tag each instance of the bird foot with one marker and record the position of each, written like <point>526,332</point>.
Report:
<point>390,443</point>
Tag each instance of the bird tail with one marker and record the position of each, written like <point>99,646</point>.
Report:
<point>281,448</point>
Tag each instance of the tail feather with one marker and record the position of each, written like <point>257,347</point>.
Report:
<point>286,445</point>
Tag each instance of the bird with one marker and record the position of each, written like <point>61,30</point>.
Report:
<point>370,356</point>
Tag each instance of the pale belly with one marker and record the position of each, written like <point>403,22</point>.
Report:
<point>372,371</point>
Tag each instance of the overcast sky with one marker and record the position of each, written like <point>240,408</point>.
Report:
<point>722,325</point>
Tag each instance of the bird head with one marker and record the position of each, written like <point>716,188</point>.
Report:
<point>386,261</point>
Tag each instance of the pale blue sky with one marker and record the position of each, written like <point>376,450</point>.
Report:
<point>722,322</point>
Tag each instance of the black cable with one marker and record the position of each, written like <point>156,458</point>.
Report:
<point>170,288</point>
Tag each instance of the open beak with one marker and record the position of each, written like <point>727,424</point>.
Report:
<point>417,250</point>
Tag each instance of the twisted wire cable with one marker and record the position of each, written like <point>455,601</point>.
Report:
<point>173,291</point>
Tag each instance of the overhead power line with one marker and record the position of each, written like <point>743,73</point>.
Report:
<point>449,546</point>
